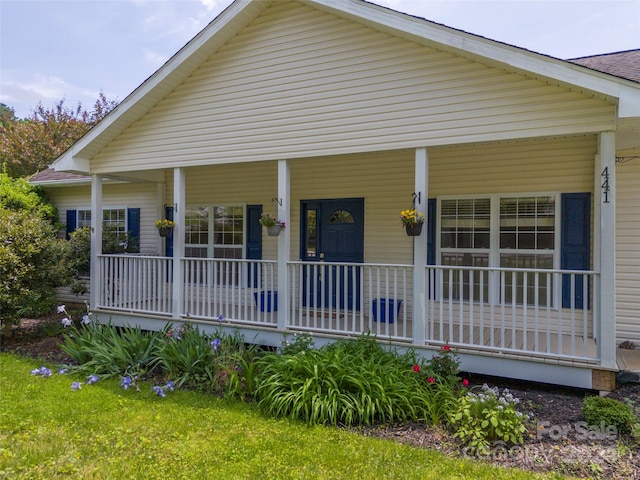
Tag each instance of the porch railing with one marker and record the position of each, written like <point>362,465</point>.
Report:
<point>238,290</point>
<point>546,312</point>
<point>351,298</point>
<point>135,283</point>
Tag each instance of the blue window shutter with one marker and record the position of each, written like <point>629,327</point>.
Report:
<point>71,221</point>
<point>254,240</point>
<point>575,243</point>
<point>168,244</point>
<point>133,227</point>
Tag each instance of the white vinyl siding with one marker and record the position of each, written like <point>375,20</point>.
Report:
<point>141,195</point>
<point>386,182</point>
<point>628,251</point>
<point>297,82</point>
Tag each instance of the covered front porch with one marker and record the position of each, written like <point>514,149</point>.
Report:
<point>527,314</point>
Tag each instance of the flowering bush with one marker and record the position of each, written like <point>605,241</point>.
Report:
<point>268,220</point>
<point>488,416</point>
<point>444,367</point>
<point>165,223</point>
<point>410,218</point>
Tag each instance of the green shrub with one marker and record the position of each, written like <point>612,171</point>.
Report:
<point>30,263</point>
<point>349,383</point>
<point>597,410</point>
<point>488,416</point>
<point>444,367</point>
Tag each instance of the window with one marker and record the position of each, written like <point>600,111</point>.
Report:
<point>527,240</point>
<point>465,241</point>
<point>505,231</point>
<point>83,218</point>
<point>214,231</point>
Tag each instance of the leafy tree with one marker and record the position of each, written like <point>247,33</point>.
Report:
<point>7,116</point>
<point>32,144</point>
<point>30,252</point>
<point>18,194</point>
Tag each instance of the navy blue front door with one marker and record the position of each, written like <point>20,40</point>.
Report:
<point>332,231</point>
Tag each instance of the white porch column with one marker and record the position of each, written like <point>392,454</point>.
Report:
<point>420,246</point>
<point>95,282</point>
<point>284,242</point>
<point>179,195</point>
<point>605,246</point>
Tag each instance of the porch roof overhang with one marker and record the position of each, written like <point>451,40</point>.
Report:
<point>217,33</point>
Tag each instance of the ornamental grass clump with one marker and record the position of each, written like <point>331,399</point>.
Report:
<point>348,383</point>
<point>108,350</point>
<point>488,416</point>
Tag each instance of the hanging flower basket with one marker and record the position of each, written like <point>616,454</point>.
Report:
<point>165,227</point>
<point>271,223</point>
<point>414,230</point>
<point>274,230</point>
<point>165,231</point>
<point>412,221</point>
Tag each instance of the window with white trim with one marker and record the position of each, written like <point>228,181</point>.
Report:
<point>507,231</point>
<point>215,231</point>
<point>83,218</point>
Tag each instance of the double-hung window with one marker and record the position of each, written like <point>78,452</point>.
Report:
<point>216,231</point>
<point>527,241</point>
<point>509,231</point>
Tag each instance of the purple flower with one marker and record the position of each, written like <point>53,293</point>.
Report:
<point>158,391</point>
<point>126,383</point>
<point>76,386</point>
<point>169,386</point>
<point>42,372</point>
<point>65,322</point>
<point>92,379</point>
<point>61,308</point>
<point>86,319</point>
<point>221,318</point>
<point>62,371</point>
<point>215,344</point>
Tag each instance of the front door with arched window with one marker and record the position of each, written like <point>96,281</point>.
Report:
<point>332,231</point>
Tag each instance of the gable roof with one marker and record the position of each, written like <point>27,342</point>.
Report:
<point>621,64</point>
<point>217,33</point>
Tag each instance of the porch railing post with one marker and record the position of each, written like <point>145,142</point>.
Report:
<point>95,285</point>
<point>420,246</point>
<point>179,195</point>
<point>605,205</point>
<point>284,242</point>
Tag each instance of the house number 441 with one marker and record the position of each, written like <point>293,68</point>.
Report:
<point>605,184</point>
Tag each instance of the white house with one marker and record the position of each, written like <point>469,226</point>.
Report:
<point>335,116</point>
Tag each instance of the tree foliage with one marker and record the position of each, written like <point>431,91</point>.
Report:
<point>31,255</point>
<point>7,116</point>
<point>18,194</point>
<point>32,144</point>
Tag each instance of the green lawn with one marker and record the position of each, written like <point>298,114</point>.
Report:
<point>49,431</point>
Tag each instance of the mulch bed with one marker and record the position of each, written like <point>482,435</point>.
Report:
<point>557,441</point>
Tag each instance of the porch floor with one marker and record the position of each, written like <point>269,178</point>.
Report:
<point>628,360</point>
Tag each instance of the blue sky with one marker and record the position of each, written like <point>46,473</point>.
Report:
<point>73,49</point>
